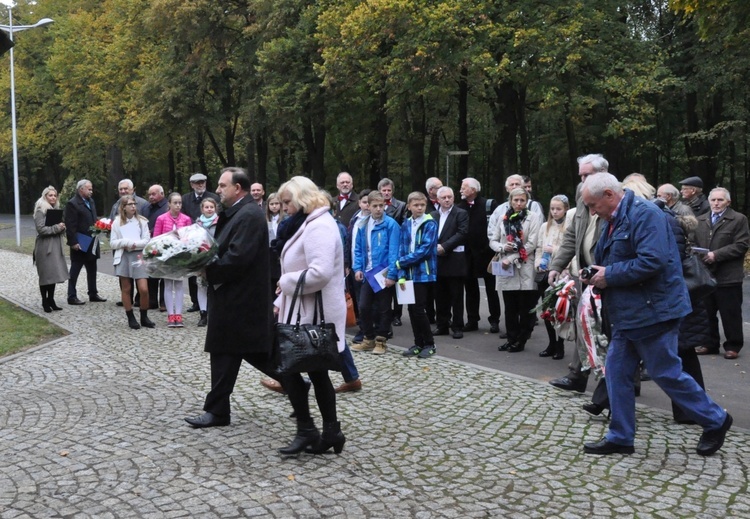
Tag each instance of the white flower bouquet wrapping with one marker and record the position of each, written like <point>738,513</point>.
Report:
<point>180,253</point>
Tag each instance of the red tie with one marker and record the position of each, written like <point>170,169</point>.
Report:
<point>388,202</point>
<point>611,228</point>
<point>343,197</point>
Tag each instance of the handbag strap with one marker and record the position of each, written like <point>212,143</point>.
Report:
<point>319,304</point>
<point>297,290</point>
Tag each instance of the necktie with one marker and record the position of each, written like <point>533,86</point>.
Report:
<point>388,202</point>
<point>86,201</point>
<point>714,219</point>
<point>343,197</point>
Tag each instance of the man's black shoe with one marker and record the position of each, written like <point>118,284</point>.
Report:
<point>440,331</point>
<point>194,308</point>
<point>570,385</point>
<point>208,420</point>
<point>75,301</point>
<point>397,321</point>
<point>604,446</point>
<point>119,303</point>
<point>458,334</point>
<point>711,441</point>
<point>471,327</point>
<point>96,299</point>
<point>494,328</point>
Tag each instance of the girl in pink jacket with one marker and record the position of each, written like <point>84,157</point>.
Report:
<point>174,293</point>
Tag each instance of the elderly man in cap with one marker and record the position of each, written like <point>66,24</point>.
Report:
<point>191,206</point>
<point>692,194</point>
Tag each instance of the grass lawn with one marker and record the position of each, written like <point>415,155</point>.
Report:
<point>21,329</point>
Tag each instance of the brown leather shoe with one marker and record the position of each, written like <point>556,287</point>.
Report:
<point>354,385</point>
<point>703,350</point>
<point>272,384</point>
<point>731,355</point>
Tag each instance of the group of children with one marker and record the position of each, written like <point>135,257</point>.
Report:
<point>403,254</point>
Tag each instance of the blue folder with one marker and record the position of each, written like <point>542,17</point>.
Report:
<point>85,241</point>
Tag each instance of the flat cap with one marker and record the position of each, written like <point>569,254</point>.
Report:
<point>198,177</point>
<point>692,181</point>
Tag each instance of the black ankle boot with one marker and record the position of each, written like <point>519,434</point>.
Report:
<point>559,350</point>
<point>145,321</point>
<point>307,434</point>
<point>204,319</point>
<point>331,437</point>
<point>548,351</point>
<point>131,320</point>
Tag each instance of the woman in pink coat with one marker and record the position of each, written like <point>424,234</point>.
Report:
<point>174,292</point>
<point>310,240</point>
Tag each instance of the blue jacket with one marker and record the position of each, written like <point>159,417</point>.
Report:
<point>384,241</point>
<point>643,268</point>
<point>421,265</point>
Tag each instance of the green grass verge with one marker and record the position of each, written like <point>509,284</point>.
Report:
<point>21,329</point>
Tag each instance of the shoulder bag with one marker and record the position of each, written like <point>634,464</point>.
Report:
<point>698,279</point>
<point>306,347</point>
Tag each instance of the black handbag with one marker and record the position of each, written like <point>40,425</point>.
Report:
<point>541,277</point>
<point>306,347</point>
<point>698,279</point>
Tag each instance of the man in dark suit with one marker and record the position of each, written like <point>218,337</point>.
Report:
<point>348,201</point>
<point>80,215</point>
<point>432,185</point>
<point>691,190</point>
<point>478,255</point>
<point>257,192</point>
<point>191,206</point>
<point>724,232</point>
<point>453,229</point>
<point>239,285</point>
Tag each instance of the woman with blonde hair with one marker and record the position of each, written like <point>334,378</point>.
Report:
<point>309,241</point>
<point>129,236</point>
<point>48,249</point>
<point>550,237</point>
<point>515,238</point>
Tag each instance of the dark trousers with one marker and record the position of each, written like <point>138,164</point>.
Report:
<point>193,290</point>
<point>325,395</point>
<point>727,301</point>
<point>76,265</point>
<point>430,304</point>
<point>156,293</point>
<point>420,324</point>
<point>449,302</point>
<point>519,321</point>
<point>398,310</point>
<point>224,371</point>
<point>471,285</point>
<point>375,311</point>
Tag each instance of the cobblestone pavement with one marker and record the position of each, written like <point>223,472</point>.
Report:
<point>91,425</point>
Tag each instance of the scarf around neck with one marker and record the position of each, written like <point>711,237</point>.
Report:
<point>513,223</point>
<point>286,229</point>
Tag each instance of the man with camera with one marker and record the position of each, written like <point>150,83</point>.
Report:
<point>637,267</point>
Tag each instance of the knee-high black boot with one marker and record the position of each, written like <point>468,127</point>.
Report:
<point>307,434</point>
<point>131,320</point>
<point>45,298</point>
<point>51,297</point>
<point>331,437</point>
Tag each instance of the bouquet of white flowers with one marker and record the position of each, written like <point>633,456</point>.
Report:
<point>183,252</point>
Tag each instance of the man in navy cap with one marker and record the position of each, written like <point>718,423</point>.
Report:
<point>692,195</point>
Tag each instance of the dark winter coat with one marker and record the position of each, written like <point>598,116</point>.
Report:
<point>78,219</point>
<point>239,283</point>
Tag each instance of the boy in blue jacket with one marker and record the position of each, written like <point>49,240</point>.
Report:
<point>376,248</point>
<point>417,262</point>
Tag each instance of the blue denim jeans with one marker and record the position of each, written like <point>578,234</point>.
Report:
<point>348,369</point>
<point>658,350</point>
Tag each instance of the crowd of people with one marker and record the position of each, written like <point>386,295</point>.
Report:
<point>430,251</point>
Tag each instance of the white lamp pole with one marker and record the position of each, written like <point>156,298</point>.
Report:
<point>10,30</point>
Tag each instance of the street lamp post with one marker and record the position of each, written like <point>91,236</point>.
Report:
<point>448,164</point>
<point>10,29</point>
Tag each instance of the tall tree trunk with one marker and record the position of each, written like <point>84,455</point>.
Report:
<point>523,131</point>
<point>379,148</point>
<point>504,152</point>
<point>171,167</point>
<point>261,148</point>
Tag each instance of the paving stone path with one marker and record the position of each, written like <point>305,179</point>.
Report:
<point>91,425</point>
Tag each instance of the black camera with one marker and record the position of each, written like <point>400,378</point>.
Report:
<point>588,272</point>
